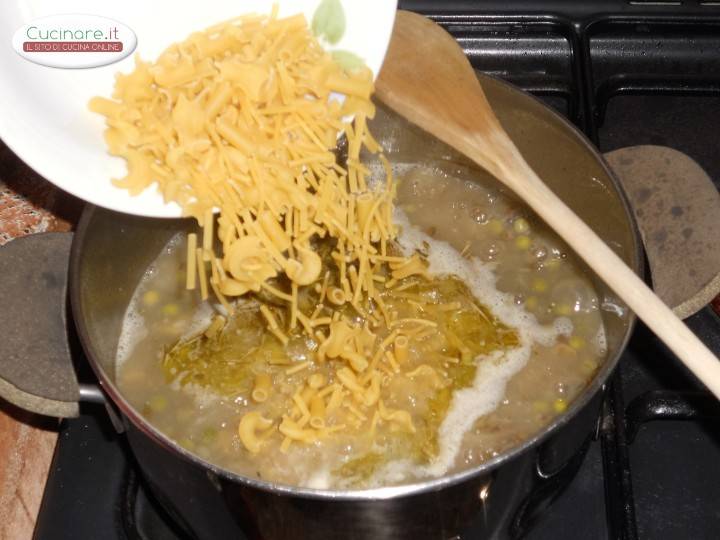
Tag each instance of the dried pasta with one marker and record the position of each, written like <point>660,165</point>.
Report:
<point>238,119</point>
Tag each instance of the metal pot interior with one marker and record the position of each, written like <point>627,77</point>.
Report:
<point>112,251</point>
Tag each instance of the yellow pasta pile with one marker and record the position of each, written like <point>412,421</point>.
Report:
<point>240,118</point>
<point>360,350</point>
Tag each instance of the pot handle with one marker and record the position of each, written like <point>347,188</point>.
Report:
<point>36,367</point>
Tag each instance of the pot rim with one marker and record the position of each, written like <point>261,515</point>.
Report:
<point>382,493</point>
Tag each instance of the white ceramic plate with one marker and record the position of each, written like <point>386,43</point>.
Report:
<point>43,110</point>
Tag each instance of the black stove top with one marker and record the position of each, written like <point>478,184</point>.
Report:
<point>627,73</point>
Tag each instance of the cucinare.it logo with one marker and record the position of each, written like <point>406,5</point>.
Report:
<point>74,41</point>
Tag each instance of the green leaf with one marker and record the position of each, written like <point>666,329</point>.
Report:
<point>347,60</point>
<point>329,21</point>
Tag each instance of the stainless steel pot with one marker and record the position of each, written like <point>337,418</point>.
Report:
<point>109,255</point>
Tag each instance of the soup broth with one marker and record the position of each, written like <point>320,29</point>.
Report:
<point>517,336</point>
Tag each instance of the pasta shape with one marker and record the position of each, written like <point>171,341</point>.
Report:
<point>248,428</point>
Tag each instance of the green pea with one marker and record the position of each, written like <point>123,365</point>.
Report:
<point>560,405</point>
<point>151,298</point>
<point>523,242</point>
<point>158,403</point>
<point>208,435</point>
<point>521,226</point>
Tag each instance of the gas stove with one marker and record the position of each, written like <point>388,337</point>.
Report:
<point>626,73</point>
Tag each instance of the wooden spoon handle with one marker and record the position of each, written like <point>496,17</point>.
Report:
<point>518,175</point>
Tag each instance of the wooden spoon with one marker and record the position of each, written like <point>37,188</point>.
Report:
<point>427,79</point>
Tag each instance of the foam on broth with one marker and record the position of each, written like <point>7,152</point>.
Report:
<point>494,370</point>
<point>513,266</point>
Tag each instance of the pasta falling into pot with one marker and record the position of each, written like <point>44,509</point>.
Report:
<point>334,342</point>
